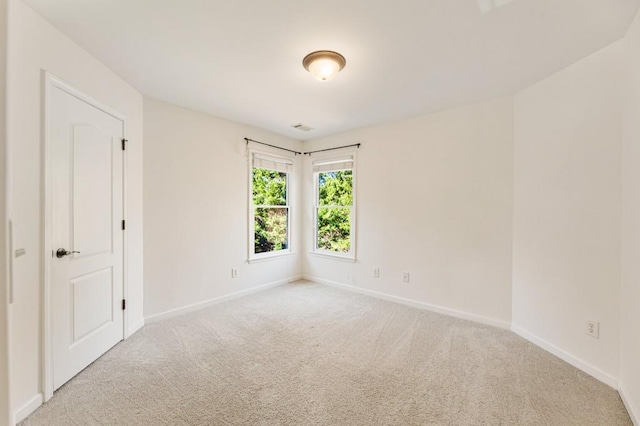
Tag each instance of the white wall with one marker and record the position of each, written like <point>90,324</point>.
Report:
<point>567,208</point>
<point>630,290</point>
<point>36,45</point>
<point>195,222</point>
<point>4,308</point>
<point>434,199</point>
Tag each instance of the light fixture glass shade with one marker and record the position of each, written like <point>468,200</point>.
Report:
<point>324,65</point>
<point>324,69</point>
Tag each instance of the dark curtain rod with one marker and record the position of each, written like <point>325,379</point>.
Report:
<point>272,146</point>
<point>331,149</point>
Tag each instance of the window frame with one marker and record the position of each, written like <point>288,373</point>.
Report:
<point>252,256</point>
<point>351,255</point>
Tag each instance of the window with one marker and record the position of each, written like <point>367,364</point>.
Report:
<point>269,205</point>
<point>334,212</point>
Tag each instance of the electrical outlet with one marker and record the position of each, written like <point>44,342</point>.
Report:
<point>376,272</point>
<point>234,273</point>
<point>405,277</point>
<point>593,329</point>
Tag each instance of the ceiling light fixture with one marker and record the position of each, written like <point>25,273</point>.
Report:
<point>324,65</point>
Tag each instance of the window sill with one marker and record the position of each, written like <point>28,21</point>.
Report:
<point>270,256</point>
<point>328,255</point>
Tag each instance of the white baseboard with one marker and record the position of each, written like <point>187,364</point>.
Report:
<point>421,305</point>
<point>216,300</point>
<point>633,411</point>
<point>565,356</point>
<point>28,408</point>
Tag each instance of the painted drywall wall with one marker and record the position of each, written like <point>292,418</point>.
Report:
<point>34,46</point>
<point>196,207</point>
<point>4,259</point>
<point>434,198</point>
<point>567,208</point>
<point>629,380</point>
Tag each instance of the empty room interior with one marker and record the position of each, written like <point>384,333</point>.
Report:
<point>354,212</point>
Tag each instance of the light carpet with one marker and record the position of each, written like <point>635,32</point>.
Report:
<point>308,354</point>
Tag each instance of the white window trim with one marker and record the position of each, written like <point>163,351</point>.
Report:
<point>351,255</point>
<point>253,257</point>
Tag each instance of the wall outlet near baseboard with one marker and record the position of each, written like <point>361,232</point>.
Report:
<point>376,272</point>
<point>234,272</point>
<point>405,277</point>
<point>593,329</point>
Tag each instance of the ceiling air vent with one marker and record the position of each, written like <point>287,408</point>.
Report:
<point>302,127</point>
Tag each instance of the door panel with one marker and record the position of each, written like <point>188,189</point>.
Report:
<point>92,179</point>
<point>91,303</point>
<point>86,210</point>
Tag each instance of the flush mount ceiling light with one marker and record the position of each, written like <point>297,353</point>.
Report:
<point>324,65</point>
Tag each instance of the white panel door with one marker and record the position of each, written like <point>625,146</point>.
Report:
<point>86,163</point>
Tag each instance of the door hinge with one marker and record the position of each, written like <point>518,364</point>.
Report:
<point>124,144</point>
<point>124,226</point>
<point>124,304</point>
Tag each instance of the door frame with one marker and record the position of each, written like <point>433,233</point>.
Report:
<point>6,253</point>
<point>49,83</point>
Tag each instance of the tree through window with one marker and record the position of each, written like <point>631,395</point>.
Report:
<point>334,207</point>
<point>270,208</point>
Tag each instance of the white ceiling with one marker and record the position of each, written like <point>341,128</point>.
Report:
<point>241,59</point>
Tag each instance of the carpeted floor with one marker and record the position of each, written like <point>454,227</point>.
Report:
<point>307,354</point>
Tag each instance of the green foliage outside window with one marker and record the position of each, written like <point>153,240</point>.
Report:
<point>269,188</point>
<point>271,220</point>
<point>335,199</point>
